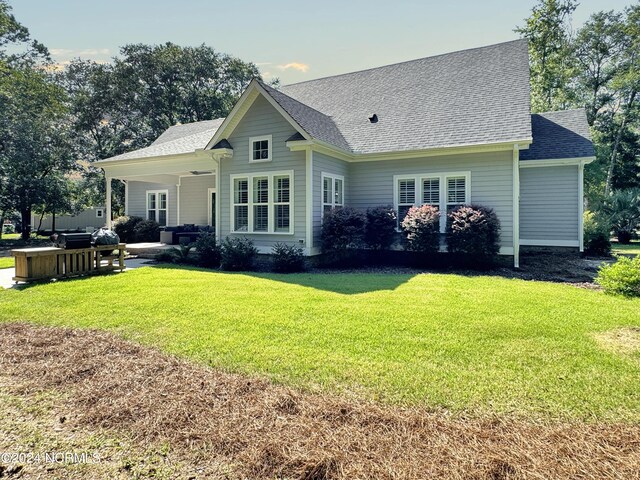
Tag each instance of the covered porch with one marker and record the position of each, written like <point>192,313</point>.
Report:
<point>173,190</point>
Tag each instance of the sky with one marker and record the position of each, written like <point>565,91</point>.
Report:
<point>291,40</point>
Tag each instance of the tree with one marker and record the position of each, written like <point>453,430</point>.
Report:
<point>549,46</point>
<point>126,105</point>
<point>34,147</point>
<point>13,34</point>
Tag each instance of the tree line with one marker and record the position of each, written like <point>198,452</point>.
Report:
<point>56,122</point>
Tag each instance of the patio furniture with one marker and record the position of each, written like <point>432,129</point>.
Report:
<point>183,234</point>
<point>46,263</point>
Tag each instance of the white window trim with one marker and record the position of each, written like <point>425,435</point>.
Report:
<point>209,212</point>
<point>271,202</point>
<point>269,138</point>
<point>332,203</point>
<point>418,178</point>
<point>99,212</point>
<point>157,203</point>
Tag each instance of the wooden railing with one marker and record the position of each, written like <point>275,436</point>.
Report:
<point>33,264</point>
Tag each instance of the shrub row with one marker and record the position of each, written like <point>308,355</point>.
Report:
<point>234,254</point>
<point>473,231</point>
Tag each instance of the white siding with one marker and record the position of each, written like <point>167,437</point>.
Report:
<point>549,203</point>
<point>137,200</point>
<point>263,119</point>
<point>371,183</point>
<point>194,199</point>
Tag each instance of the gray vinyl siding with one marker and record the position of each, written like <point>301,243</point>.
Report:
<point>371,183</point>
<point>325,164</point>
<point>194,200</point>
<point>83,220</point>
<point>549,203</point>
<point>263,119</point>
<point>137,199</point>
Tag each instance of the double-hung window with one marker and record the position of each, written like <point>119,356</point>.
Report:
<point>332,192</point>
<point>445,191</point>
<point>262,203</point>
<point>157,201</point>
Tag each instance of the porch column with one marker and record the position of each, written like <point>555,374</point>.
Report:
<point>516,206</point>
<point>108,206</point>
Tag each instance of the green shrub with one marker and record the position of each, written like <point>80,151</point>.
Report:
<point>287,258</point>
<point>237,254</point>
<point>208,250</point>
<point>146,231</point>
<point>380,230</point>
<point>623,210</point>
<point>165,256</point>
<point>596,234</point>
<point>182,254</point>
<point>421,226</point>
<point>343,229</point>
<point>621,278</point>
<point>473,231</point>
<point>125,228</point>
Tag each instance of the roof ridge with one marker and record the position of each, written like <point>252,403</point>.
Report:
<point>295,100</point>
<point>405,62</point>
<point>561,111</point>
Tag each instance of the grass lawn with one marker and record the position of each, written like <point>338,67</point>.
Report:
<point>631,248</point>
<point>6,262</point>
<point>475,344</point>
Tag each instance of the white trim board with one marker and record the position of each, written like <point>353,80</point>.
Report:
<point>556,162</point>
<point>549,243</point>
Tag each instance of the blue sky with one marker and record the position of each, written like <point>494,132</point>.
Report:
<point>292,40</point>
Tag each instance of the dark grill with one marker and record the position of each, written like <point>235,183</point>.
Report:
<point>73,240</point>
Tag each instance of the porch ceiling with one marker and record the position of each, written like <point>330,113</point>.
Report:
<point>165,170</point>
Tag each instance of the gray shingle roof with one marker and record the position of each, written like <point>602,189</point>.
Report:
<point>468,97</point>
<point>178,139</point>
<point>563,134</point>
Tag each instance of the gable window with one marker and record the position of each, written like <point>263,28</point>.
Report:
<point>332,192</point>
<point>157,201</point>
<point>441,190</point>
<point>260,149</point>
<point>262,203</point>
<point>99,212</point>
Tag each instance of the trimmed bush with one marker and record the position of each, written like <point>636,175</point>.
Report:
<point>208,250</point>
<point>237,254</point>
<point>621,278</point>
<point>125,228</point>
<point>146,231</point>
<point>343,229</point>
<point>380,230</point>
<point>473,231</point>
<point>422,229</point>
<point>287,258</point>
<point>596,234</point>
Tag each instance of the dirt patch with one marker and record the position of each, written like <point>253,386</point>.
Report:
<point>621,340</point>
<point>256,429</point>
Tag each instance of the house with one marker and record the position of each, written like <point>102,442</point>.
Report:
<point>444,130</point>
<point>89,219</point>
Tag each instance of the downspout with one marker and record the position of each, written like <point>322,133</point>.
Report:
<point>581,206</point>
<point>309,200</point>
<point>516,206</point>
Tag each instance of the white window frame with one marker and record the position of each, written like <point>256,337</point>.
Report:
<point>271,202</point>
<point>332,203</point>
<point>157,209</point>
<point>419,196</point>
<point>261,138</point>
<point>209,210</point>
<point>100,212</point>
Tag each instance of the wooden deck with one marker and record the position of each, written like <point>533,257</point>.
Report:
<point>46,263</point>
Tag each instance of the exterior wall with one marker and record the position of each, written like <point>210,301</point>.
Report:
<point>84,219</point>
<point>371,183</point>
<point>194,200</point>
<point>549,205</point>
<point>263,119</point>
<point>137,200</point>
<point>326,164</point>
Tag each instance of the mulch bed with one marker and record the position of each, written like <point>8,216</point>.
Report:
<point>263,430</point>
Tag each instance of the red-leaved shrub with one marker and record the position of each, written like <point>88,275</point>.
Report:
<point>422,229</point>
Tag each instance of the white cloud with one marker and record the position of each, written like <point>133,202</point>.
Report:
<point>301,67</point>
<point>64,54</point>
